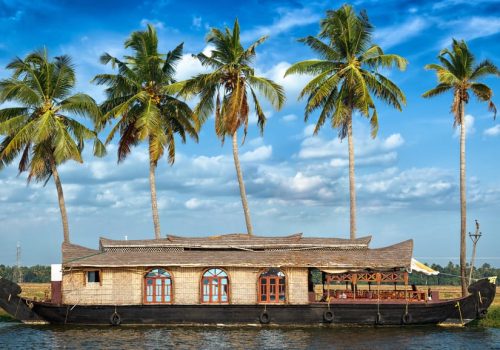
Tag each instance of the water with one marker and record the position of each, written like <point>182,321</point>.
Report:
<point>19,336</point>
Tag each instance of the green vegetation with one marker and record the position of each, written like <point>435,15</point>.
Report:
<point>459,74</point>
<point>492,318</point>
<point>347,79</point>
<point>31,274</point>
<point>230,83</point>
<point>141,97</point>
<point>449,275</point>
<point>5,317</point>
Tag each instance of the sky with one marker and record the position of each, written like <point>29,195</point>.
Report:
<point>406,178</point>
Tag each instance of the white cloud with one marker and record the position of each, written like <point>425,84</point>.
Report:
<point>469,126</point>
<point>208,163</point>
<point>196,203</point>
<point>289,118</point>
<point>470,28</point>
<point>303,183</point>
<point>432,186</point>
<point>448,3</point>
<point>189,66</point>
<point>293,84</point>
<point>493,131</point>
<point>391,36</point>
<point>317,147</point>
<point>288,19</point>
<point>101,169</point>
<point>309,130</point>
<point>393,141</point>
<point>259,154</point>
<point>156,23</point>
<point>382,159</point>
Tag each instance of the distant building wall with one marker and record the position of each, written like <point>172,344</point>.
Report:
<point>125,286</point>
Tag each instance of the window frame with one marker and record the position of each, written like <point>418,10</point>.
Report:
<point>163,279</point>
<point>211,278</point>
<point>86,280</point>
<point>268,283</point>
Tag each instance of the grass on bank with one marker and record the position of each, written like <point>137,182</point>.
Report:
<point>42,291</point>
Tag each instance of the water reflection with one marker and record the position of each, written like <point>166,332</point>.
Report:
<point>15,336</point>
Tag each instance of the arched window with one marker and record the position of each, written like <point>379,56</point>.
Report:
<point>215,286</point>
<point>272,286</point>
<point>158,287</point>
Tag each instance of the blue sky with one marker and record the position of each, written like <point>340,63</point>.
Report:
<point>407,178</point>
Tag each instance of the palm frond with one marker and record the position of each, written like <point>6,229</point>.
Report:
<point>322,49</point>
<point>19,91</point>
<point>273,92</point>
<point>83,105</point>
<point>484,94</point>
<point>438,90</point>
<point>483,69</point>
<point>387,61</point>
<point>171,60</point>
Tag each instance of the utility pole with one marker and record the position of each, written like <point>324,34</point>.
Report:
<point>19,274</point>
<point>474,237</point>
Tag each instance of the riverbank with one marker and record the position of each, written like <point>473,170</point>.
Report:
<point>492,319</point>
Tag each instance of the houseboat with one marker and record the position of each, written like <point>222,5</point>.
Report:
<point>240,279</point>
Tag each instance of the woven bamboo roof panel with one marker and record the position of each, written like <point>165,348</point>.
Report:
<point>235,241</point>
<point>395,256</point>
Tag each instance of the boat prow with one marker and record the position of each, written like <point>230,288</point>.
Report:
<point>475,305</point>
<point>19,308</point>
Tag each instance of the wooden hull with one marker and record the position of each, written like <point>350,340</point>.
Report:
<point>471,307</point>
<point>390,314</point>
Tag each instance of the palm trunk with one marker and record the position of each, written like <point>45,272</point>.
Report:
<point>463,208</point>
<point>243,193</point>
<point>154,203</point>
<point>352,184</point>
<point>60,197</point>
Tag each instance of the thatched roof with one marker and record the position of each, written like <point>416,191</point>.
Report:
<point>239,251</point>
<point>234,241</point>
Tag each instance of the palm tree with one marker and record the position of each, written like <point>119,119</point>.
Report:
<point>346,79</point>
<point>140,96</point>
<point>458,73</point>
<point>39,129</point>
<point>229,85</point>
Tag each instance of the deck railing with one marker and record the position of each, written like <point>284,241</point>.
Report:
<point>322,294</point>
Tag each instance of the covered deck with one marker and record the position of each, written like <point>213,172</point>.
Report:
<point>369,287</point>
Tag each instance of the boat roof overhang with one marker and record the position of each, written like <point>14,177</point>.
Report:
<point>259,252</point>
